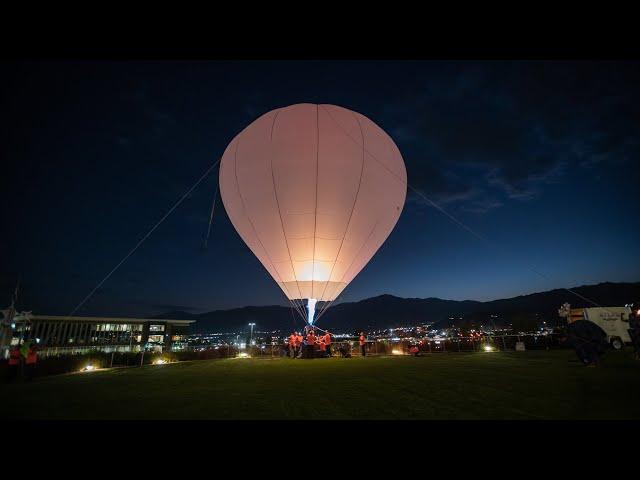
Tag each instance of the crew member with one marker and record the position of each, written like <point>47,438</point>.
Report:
<point>362,344</point>
<point>299,340</point>
<point>327,342</point>
<point>322,345</point>
<point>14,362</point>
<point>292,345</point>
<point>31,362</point>
<point>311,342</point>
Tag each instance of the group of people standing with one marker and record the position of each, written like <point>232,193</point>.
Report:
<point>22,361</point>
<point>309,344</point>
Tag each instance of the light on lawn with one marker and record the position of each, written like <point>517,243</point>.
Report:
<point>397,351</point>
<point>244,355</point>
<point>160,361</point>
<point>488,348</point>
<point>88,368</point>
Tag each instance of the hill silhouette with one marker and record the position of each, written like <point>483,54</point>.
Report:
<point>388,311</point>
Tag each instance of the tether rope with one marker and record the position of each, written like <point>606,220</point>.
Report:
<point>443,211</point>
<point>213,207</point>
<point>175,205</point>
<point>328,304</point>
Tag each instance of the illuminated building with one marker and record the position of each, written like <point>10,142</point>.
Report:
<point>62,334</point>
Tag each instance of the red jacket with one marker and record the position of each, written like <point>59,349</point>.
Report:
<point>362,339</point>
<point>327,338</point>
<point>32,356</point>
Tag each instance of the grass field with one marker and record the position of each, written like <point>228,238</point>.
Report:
<point>526,385</point>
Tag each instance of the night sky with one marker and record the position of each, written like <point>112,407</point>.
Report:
<point>541,158</point>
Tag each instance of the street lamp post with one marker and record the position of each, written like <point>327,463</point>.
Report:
<point>251,337</point>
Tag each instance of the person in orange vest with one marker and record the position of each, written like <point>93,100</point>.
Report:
<point>327,342</point>
<point>362,344</point>
<point>31,362</point>
<point>292,345</point>
<point>311,343</point>
<point>14,362</point>
<point>322,346</point>
<point>298,344</point>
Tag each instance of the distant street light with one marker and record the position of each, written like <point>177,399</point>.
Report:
<point>251,337</point>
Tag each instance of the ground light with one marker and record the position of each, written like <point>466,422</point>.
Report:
<point>397,351</point>
<point>244,355</point>
<point>488,348</point>
<point>88,368</point>
<point>160,361</point>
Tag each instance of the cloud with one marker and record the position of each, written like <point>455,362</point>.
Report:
<point>482,135</point>
<point>482,206</point>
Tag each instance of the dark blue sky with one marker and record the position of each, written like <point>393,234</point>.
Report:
<point>542,158</point>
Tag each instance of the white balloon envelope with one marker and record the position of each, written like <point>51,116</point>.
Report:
<point>314,191</point>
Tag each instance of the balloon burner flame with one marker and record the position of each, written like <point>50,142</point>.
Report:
<point>311,307</point>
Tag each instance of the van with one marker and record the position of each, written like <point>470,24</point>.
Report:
<point>614,321</point>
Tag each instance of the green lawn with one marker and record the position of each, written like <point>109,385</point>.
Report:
<point>526,385</point>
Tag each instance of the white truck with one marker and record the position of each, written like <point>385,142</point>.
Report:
<point>613,320</point>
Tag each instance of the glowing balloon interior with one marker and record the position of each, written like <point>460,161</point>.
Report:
<point>314,191</point>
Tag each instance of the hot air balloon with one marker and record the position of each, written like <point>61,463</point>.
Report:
<point>314,191</point>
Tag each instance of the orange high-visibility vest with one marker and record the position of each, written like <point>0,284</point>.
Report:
<point>327,339</point>
<point>299,340</point>
<point>361,340</point>
<point>311,339</point>
<point>292,340</point>
<point>323,346</point>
